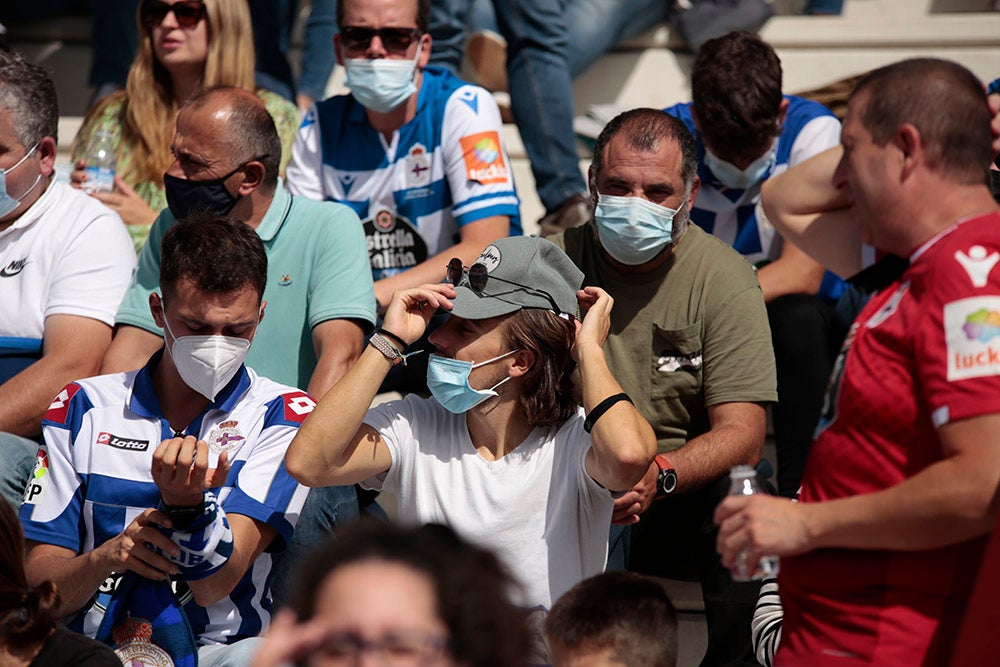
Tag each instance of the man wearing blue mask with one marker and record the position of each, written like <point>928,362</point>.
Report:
<point>170,478</point>
<point>502,451</point>
<point>746,131</point>
<point>689,342</point>
<point>63,270</point>
<point>415,151</point>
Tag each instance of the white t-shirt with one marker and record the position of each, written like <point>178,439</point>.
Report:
<point>536,507</point>
<point>68,254</point>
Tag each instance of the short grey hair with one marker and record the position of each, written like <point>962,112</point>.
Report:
<point>28,94</point>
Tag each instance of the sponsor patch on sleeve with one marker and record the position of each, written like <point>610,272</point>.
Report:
<point>972,335</point>
<point>58,410</point>
<point>298,405</point>
<point>39,479</point>
<point>484,160</point>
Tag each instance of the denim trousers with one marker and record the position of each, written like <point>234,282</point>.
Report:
<point>17,460</point>
<point>540,93</point>
<point>326,509</point>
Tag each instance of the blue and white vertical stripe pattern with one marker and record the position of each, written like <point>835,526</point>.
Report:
<point>93,478</point>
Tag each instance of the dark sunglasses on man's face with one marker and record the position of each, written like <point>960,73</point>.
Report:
<point>187,13</point>
<point>395,40</point>
<point>479,277</point>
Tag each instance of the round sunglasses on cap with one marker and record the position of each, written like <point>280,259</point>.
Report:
<point>479,277</point>
<point>395,40</point>
<point>187,13</point>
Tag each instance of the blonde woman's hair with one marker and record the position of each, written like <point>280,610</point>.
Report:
<point>148,105</point>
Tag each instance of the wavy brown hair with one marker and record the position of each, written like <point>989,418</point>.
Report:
<point>149,108</point>
<point>547,394</point>
<point>27,613</point>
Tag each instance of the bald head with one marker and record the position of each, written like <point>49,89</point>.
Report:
<point>247,128</point>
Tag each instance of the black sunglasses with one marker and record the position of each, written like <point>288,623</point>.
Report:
<point>395,40</point>
<point>479,277</point>
<point>188,13</point>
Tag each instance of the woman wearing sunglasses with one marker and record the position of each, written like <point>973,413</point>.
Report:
<point>184,46</point>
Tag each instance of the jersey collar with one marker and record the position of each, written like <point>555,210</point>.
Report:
<point>145,403</point>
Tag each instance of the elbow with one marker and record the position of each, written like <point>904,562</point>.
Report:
<point>634,461</point>
<point>298,467</point>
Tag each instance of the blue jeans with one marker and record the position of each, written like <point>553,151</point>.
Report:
<point>326,508</point>
<point>540,94</point>
<point>17,455</point>
<point>595,26</point>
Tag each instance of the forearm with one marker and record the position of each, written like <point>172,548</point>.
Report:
<point>130,349</point>
<point>77,578</point>
<point>623,441</point>
<point>26,396</point>
<point>338,344</point>
<point>709,456</point>
<point>950,501</point>
<point>807,210</point>
<point>321,445</point>
<point>782,277</point>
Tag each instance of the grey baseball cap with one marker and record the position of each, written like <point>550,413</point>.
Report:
<point>520,272</point>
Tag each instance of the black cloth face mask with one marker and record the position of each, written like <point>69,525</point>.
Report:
<point>185,196</point>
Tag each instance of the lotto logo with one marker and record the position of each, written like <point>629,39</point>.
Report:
<point>298,406</point>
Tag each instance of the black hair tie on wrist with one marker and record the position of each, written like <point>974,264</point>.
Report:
<point>389,334</point>
<point>603,407</point>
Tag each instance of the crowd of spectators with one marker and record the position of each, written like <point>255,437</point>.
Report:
<point>193,436</point>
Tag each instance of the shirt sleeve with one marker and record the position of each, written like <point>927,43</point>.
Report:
<point>304,173</point>
<point>134,308</point>
<point>816,136</point>
<point>476,162</point>
<point>94,271</point>
<point>957,355</point>
<point>264,490</point>
<point>53,501</point>
<point>341,284</point>
<point>393,422</point>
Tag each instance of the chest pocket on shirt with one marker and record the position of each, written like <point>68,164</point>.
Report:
<point>676,362</point>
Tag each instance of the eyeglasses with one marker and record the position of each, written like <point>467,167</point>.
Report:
<point>188,13</point>
<point>479,277</point>
<point>410,648</point>
<point>395,40</point>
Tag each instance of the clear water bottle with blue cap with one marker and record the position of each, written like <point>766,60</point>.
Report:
<point>743,482</point>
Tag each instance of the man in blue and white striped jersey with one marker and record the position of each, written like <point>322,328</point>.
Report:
<point>173,475</point>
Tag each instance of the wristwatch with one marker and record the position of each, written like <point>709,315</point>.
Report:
<point>666,482</point>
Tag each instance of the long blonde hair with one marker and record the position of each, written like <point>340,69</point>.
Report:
<point>149,109</point>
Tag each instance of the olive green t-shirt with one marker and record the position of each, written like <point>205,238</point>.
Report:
<point>690,334</point>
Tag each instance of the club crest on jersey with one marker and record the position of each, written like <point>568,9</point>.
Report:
<point>39,480</point>
<point>890,306</point>
<point>59,408</point>
<point>977,264</point>
<point>225,437</point>
<point>418,167</point>
<point>484,159</point>
<point>298,405</point>
<point>972,334</point>
<point>131,444</point>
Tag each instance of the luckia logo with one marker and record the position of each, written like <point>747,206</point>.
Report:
<point>972,329</point>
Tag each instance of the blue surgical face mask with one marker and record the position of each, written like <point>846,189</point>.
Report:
<point>448,380</point>
<point>632,229</point>
<point>9,202</point>
<point>381,84</point>
<point>740,179</point>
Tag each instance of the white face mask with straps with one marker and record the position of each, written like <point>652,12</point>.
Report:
<point>207,363</point>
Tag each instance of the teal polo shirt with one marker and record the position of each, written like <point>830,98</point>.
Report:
<point>317,270</point>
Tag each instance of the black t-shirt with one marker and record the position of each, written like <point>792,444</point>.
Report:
<point>65,648</point>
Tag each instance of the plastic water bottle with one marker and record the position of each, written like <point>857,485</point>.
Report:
<point>743,482</point>
<point>101,163</point>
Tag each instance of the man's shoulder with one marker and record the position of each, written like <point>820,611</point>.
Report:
<point>81,396</point>
<point>284,405</point>
<point>712,255</point>
<point>73,209</point>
